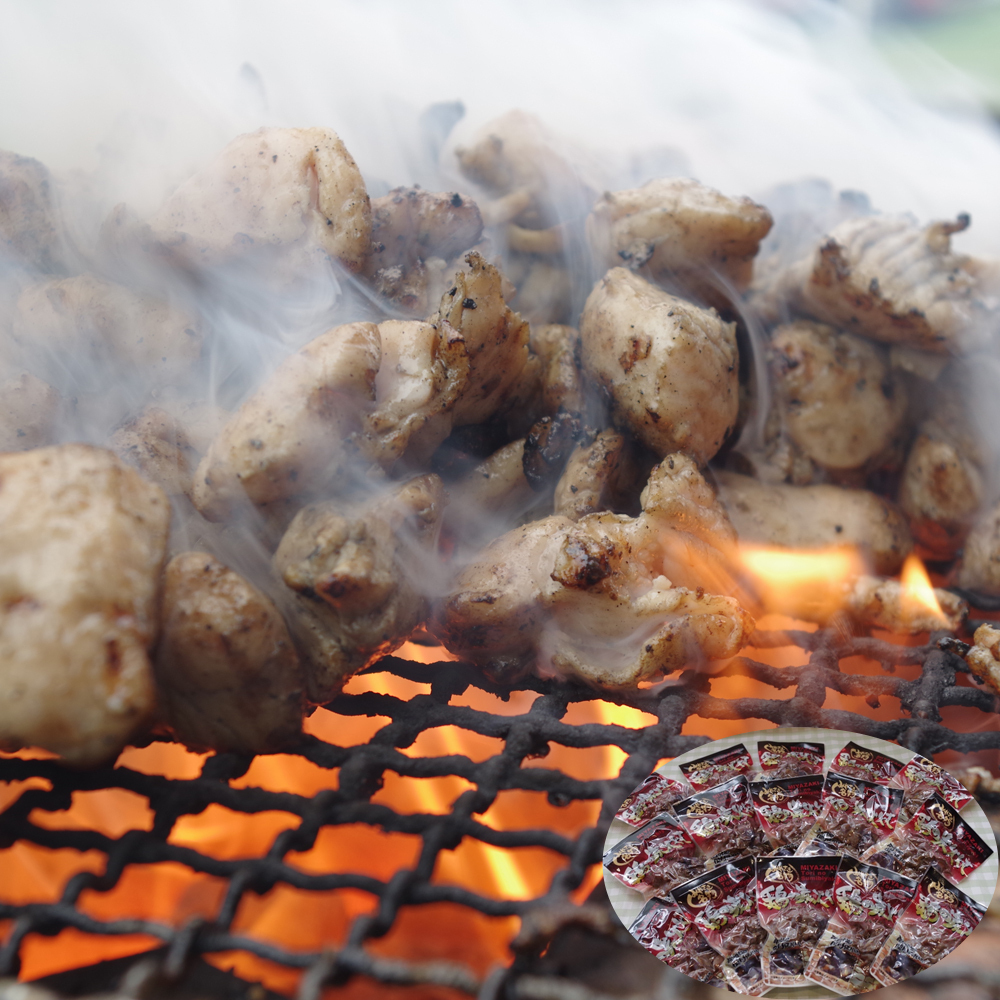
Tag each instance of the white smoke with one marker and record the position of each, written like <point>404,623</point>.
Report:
<point>751,94</point>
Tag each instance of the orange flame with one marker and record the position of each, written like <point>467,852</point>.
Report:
<point>802,584</point>
<point>918,592</point>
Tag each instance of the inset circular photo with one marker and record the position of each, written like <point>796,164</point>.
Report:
<point>800,862</point>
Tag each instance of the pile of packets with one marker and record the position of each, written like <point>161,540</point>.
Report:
<point>787,873</point>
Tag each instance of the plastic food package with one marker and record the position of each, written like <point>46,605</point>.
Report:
<point>939,918</point>
<point>787,808</point>
<point>867,901</point>
<point>936,836</point>
<point>650,799</point>
<point>721,820</point>
<point>920,779</point>
<point>789,760</point>
<point>869,765</point>
<point>714,769</point>
<point>794,903</point>
<point>723,905</point>
<point>856,815</point>
<point>656,857</point>
<point>667,932</point>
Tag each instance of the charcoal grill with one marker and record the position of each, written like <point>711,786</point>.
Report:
<point>935,685</point>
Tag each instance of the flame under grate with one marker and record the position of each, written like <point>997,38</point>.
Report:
<point>524,736</point>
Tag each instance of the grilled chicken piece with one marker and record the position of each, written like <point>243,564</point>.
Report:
<point>669,367</point>
<point>292,436</point>
<point>28,411</point>
<point>227,675</point>
<point>89,319</point>
<point>589,478</point>
<point>944,479</point>
<point>983,658</point>
<point>359,573</point>
<point>288,197</point>
<point>537,180</point>
<point>815,517</point>
<point>562,387</point>
<point>610,600</point>
<point>677,228</point>
<point>879,603</point>
<point>980,569</point>
<point>543,287</point>
<point>30,234</point>
<point>886,278</point>
<point>495,337</point>
<point>840,403</point>
<point>82,543</point>
<point>166,444</point>
<point>415,237</point>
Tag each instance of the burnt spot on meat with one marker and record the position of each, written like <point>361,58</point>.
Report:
<point>639,348</point>
<point>547,447</point>
<point>583,561</point>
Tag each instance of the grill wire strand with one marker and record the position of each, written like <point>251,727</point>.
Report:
<point>524,736</point>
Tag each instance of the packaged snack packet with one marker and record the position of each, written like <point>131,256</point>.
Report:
<point>667,932</point>
<point>722,904</point>
<point>936,835</point>
<point>920,779</point>
<point>787,808</point>
<point>938,919</point>
<point>794,903</point>
<point>656,857</point>
<point>856,814</point>
<point>869,765</point>
<point>706,772</point>
<point>867,901</point>
<point>651,798</point>
<point>789,760</point>
<point>721,820</point>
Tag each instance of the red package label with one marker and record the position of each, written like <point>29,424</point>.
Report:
<point>794,903</point>
<point>651,798</point>
<point>723,905</point>
<point>920,779</point>
<point>787,808</point>
<point>856,815</point>
<point>938,919</point>
<point>721,820</point>
<point>655,858</point>
<point>789,760</point>
<point>867,901</point>
<point>667,932</point>
<point>718,767</point>
<point>870,765</point>
<point>936,836</point>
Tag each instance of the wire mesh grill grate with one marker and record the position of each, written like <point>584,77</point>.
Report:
<point>525,736</point>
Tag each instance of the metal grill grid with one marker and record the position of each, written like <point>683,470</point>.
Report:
<point>524,736</point>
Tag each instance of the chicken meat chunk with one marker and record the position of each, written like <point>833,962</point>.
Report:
<point>29,409</point>
<point>609,600</point>
<point>416,236</point>
<point>112,328</point>
<point>668,367</point>
<point>947,469</point>
<point>288,197</point>
<point>886,278</point>
<point>359,574</point>
<point>30,233</point>
<point>980,567</point>
<point>537,180</point>
<point>816,517</point>
<point>589,478</point>
<point>166,444</point>
<point>840,402</point>
<point>675,229</point>
<point>293,437</point>
<point>227,674</point>
<point>82,542</point>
